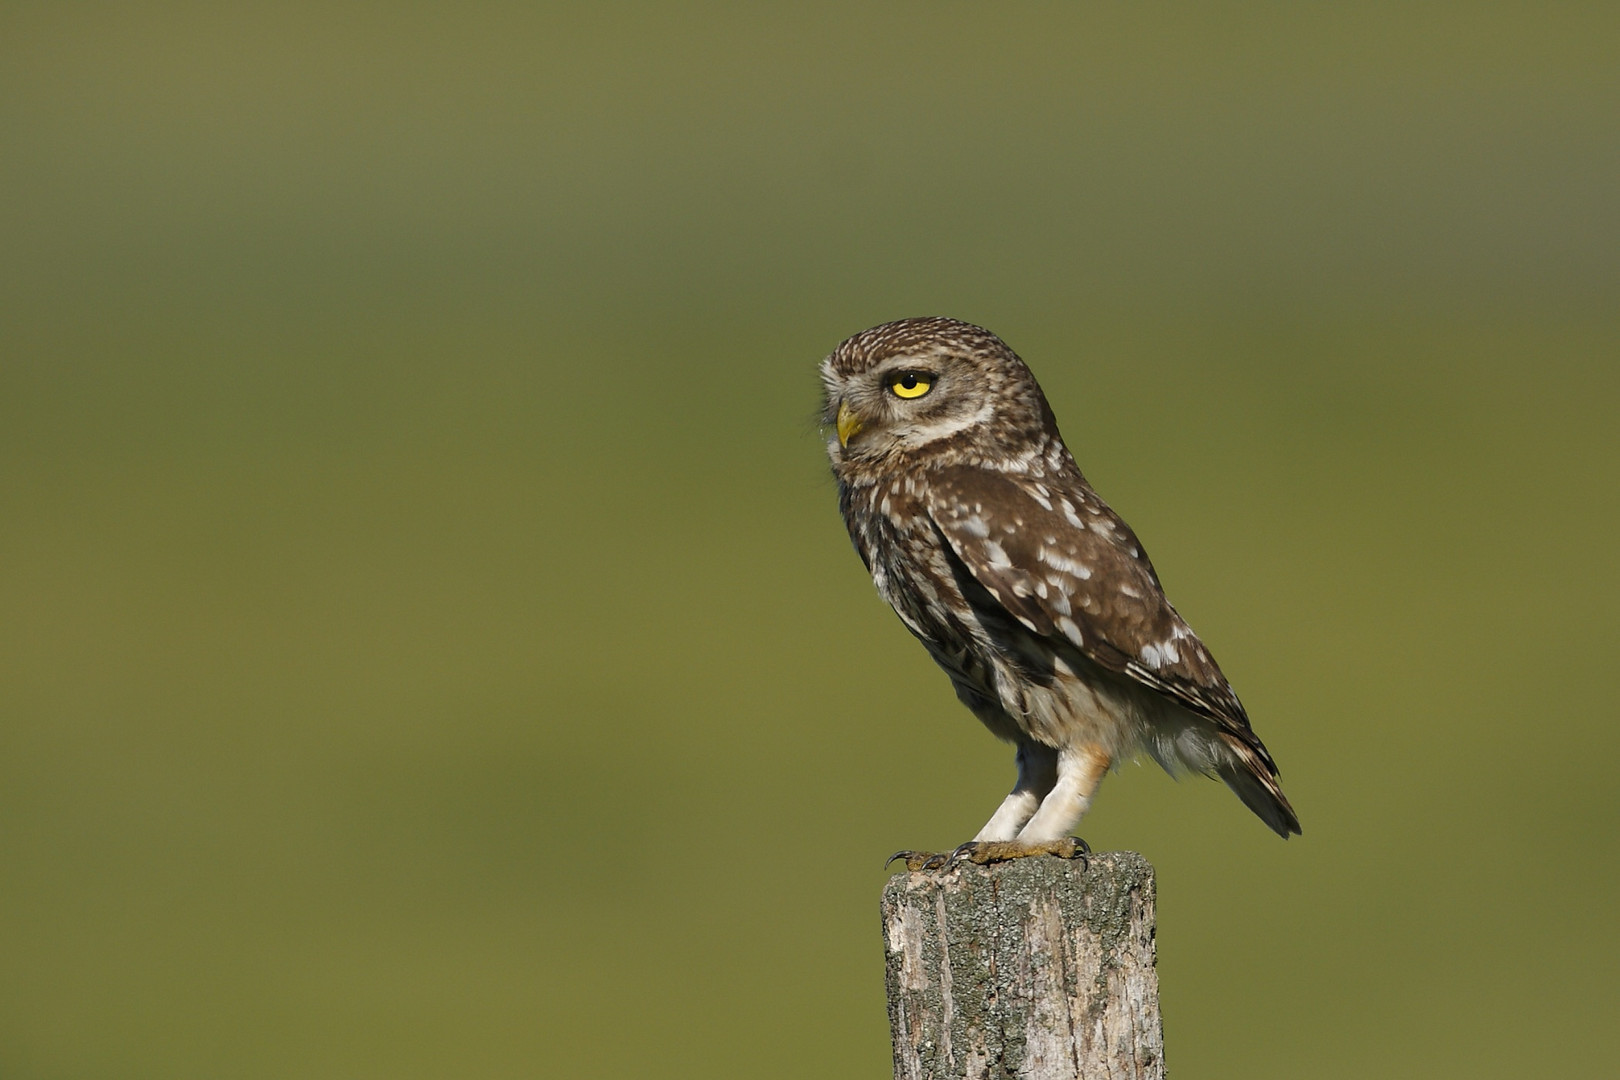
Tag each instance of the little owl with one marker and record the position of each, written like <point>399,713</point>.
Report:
<point>1033,595</point>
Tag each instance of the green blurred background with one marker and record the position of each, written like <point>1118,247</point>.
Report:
<point>428,644</point>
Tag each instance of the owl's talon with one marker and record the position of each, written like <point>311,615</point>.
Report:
<point>1078,849</point>
<point>917,860</point>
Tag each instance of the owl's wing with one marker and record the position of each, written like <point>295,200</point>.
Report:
<point>1064,565</point>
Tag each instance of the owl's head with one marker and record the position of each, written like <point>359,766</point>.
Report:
<point>926,387</point>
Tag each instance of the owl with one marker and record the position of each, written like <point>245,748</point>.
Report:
<point>1036,599</point>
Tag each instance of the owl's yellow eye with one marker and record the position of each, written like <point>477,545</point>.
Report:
<point>911,384</point>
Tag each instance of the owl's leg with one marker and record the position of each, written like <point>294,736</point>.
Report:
<point>1080,770</point>
<point>1037,775</point>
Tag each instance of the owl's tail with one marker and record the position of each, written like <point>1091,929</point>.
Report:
<point>1249,772</point>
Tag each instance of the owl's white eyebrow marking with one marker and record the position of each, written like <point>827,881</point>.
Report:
<point>923,434</point>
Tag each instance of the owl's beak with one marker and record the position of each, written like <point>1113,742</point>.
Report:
<point>848,423</point>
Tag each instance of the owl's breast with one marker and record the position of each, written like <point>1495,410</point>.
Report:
<point>901,547</point>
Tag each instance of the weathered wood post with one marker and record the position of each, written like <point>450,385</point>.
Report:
<point>1039,968</point>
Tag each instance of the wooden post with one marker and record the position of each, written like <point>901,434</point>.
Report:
<point>1038,968</point>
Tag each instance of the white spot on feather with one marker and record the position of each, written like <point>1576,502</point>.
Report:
<point>1058,561</point>
<point>1070,630</point>
<point>1158,656</point>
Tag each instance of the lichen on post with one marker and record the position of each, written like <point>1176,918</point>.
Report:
<point>1039,968</point>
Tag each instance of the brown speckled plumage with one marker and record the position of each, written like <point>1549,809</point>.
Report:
<point>1026,588</point>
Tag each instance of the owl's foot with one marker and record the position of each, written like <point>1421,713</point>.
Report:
<point>983,852</point>
<point>922,860</point>
<point>980,852</point>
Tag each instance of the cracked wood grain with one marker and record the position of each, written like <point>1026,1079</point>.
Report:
<point>1039,968</point>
